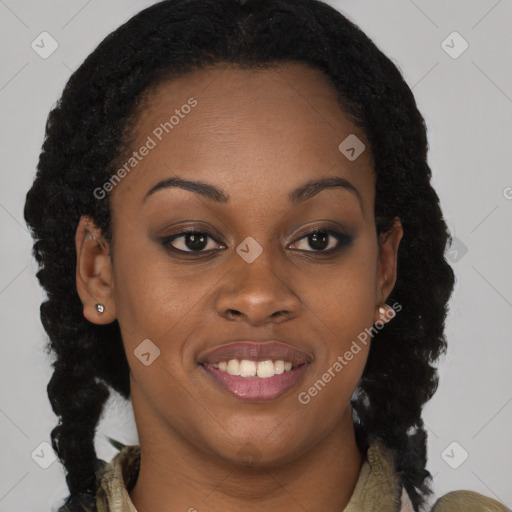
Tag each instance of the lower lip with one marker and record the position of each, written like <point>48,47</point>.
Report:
<point>256,389</point>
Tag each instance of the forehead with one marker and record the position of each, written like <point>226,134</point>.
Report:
<point>229,95</point>
<point>246,129</point>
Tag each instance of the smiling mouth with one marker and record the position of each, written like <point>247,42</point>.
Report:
<point>248,368</point>
<point>255,381</point>
<point>256,371</point>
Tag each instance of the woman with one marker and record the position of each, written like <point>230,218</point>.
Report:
<point>236,229</point>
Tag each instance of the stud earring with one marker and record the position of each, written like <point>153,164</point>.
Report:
<point>100,308</point>
<point>387,312</point>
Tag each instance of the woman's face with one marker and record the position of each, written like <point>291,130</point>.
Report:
<point>252,270</point>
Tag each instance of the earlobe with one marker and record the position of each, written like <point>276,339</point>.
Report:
<point>387,269</point>
<point>386,313</point>
<point>94,273</point>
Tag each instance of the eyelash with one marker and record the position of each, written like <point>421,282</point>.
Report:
<point>344,240</point>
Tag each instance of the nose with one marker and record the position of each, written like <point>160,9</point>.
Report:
<point>257,294</point>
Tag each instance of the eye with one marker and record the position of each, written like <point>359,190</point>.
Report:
<point>190,241</point>
<point>324,241</point>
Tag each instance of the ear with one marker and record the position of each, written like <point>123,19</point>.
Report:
<point>387,270</point>
<point>94,281</point>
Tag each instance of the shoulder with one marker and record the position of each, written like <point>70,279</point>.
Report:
<point>467,501</point>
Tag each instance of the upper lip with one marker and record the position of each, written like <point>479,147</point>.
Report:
<point>256,351</point>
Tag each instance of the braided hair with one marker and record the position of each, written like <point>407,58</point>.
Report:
<point>88,130</point>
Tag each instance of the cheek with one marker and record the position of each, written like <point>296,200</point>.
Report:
<point>345,328</point>
<point>152,297</point>
<point>344,313</point>
<point>345,299</point>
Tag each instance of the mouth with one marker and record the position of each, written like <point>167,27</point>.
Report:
<point>256,371</point>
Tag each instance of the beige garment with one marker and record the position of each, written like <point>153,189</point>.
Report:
<point>468,501</point>
<point>378,487</point>
<point>115,479</point>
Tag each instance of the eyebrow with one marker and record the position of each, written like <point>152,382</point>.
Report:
<point>298,195</point>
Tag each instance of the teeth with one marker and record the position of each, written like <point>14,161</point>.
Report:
<point>247,368</point>
<point>233,367</point>
<point>265,369</point>
<point>279,367</point>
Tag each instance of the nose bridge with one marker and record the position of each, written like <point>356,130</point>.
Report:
<point>256,265</point>
<point>255,287</point>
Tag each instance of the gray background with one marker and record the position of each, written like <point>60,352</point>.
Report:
<point>466,100</point>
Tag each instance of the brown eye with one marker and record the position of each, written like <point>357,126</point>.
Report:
<point>189,241</point>
<point>323,241</point>
<point>319,240</point>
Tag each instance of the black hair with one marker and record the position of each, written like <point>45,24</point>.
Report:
<point>89,129</point>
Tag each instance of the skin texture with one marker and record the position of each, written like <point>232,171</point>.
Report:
<point>257,135</point>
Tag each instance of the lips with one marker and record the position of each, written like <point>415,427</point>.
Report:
<point>256,389</point>
<point>256,351</point>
